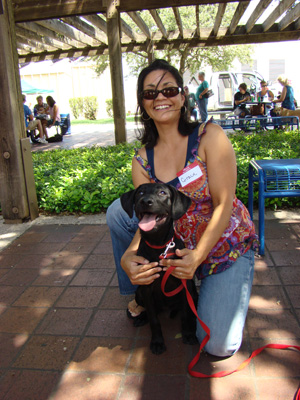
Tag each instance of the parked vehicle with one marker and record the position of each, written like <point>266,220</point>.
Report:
<point>225,84</point>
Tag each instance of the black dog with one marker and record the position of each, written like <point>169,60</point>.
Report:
<point>156,206</point>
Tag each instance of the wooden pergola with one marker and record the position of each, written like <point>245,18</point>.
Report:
<point>33,30</point>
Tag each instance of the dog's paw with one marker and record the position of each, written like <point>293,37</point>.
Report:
<point>140,320</point>
<point>158,347</point>
<point>189,338</point>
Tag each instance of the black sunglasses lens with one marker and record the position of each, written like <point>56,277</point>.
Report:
<point>170,92</point>
<point>149,94</point>
<point>167,92</point>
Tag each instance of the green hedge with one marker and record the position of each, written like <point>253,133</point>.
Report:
<point>87,180</point>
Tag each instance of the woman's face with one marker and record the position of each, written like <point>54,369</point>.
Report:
<point>162,109</point>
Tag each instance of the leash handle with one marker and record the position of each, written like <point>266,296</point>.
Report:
<point>194,361</point>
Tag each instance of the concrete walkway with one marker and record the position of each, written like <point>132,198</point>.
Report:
<point>64,334</point>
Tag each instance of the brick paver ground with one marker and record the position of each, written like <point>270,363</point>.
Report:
<point>64,334</point>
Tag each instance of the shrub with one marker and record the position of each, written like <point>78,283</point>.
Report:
<point>88,180</point>
<point>76,104</point>
<point>109,108</point>
<point>90,107</point>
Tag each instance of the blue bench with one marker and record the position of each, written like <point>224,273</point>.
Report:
<point>257,123</point>
<point>276,178</point>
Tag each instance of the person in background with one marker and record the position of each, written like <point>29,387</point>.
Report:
<point>286,98</point>
<point>265,94</point>
<point>217,229</point>
<point>53,111</point>
<point>240,98</point>
<point>265,91</point>
<point>200,96</point>
<point>32,124</point>
<point>192,104</point>
<point>39,111</point>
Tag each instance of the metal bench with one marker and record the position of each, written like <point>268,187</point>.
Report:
<point>257,123</point>
<point>276,178</point>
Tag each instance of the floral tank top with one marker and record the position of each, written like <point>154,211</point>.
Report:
<point>238,237</point>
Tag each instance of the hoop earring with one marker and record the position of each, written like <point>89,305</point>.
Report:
<point>145,119</point>
<point>184,109</point>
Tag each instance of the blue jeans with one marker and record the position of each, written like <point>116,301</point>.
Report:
<point>202,104</point>
<point>223,298</point>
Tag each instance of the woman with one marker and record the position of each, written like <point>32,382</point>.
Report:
<point>217,230</point>
<point>287,95</point>
<point>200,96</point>
<point>265,91</point>
<point>53,111</point>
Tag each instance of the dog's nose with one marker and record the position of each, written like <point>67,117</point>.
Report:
<point>147,201</point>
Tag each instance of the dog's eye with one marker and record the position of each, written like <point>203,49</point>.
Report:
<point>162,193</point>
<point>141,193</point>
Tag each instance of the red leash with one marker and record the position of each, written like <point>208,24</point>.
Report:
<point>207,337</point>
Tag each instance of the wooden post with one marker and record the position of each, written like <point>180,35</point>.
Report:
<point>13,190</point>
<point>116,72</point>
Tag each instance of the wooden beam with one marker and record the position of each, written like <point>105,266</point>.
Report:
<point>290,17</point>
<point>13,193</point>
<point>127,30</point>
<point>259,9</point>
<point>219,17</point>
<point>279,10</point>
<point>31,10</point>
<point>62,41</point>
<point>239,12</point>
<point>178,20</point>
<point>297,24</point>
<point>116,72</point>
<point>140,23</point>
<point>63,29</point>
<point>197,21</point>
<point>160,43</point>
<point>97,21</point>
<point>37,38</point>
<point>32,46</point>
<point>158,22</point>
<point>86,28</point>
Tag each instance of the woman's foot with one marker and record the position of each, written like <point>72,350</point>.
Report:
<point>137,314</point>
<point>134,309</point>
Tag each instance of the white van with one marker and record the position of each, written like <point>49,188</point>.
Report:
<point>225,84</point>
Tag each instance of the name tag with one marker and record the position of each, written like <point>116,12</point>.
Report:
<point>189,174</point>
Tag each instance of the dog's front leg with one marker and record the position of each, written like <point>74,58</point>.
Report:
<point>157,344</point>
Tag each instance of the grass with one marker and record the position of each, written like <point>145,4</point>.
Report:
<point>129,118</point>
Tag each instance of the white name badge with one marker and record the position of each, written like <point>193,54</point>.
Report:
<point>189,174</point>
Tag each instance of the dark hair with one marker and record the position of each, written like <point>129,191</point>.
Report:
<point>243,86</point>
<point>50,100</point>
<point>148,133</point>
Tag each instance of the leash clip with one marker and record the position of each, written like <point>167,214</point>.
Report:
<point>168,247</point>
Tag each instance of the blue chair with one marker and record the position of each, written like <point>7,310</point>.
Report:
<point>276,178</point>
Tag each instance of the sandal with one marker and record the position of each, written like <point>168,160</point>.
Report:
<point>137,314</point>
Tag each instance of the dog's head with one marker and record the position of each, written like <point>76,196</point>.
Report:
<point>155,204</point>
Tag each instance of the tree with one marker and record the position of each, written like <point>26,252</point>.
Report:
<point>186,58</point>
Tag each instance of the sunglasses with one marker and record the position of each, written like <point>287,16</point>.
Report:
<point>167,92</point>
<point>264,85</point>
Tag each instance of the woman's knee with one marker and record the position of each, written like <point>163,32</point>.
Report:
<point>113,213</point>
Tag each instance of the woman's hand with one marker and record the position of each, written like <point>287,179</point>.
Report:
<point>139,270</point>
<point>185,266</point>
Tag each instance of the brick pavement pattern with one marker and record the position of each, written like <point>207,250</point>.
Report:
<point>64,334</point>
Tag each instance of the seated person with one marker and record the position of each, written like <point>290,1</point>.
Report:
<point>32,124</point>
<point>39,111</point>
<point>265,95</point>
<point>240,98</point>
<point>53,110</point>
<point>192,104</point>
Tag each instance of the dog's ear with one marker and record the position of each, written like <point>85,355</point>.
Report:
<point>127,202</point>
<point>180,203</point>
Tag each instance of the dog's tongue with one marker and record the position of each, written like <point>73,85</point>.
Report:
<point>147,222</point>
